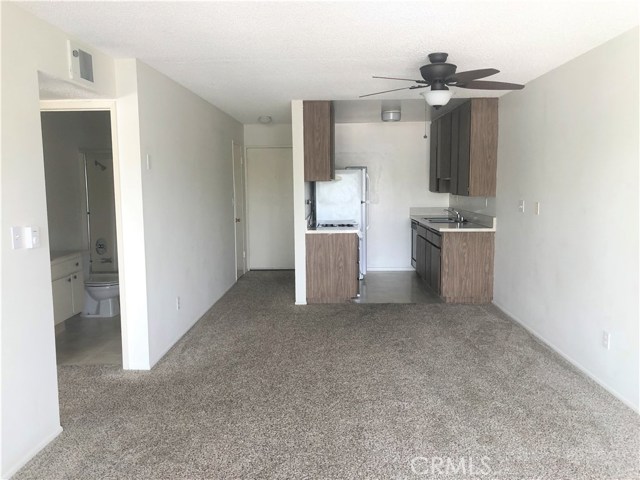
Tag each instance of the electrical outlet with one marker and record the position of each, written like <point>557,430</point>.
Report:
<point>606,340</point>
<point>521,206</point>
<point>178,305</point>
<point>536,208</point>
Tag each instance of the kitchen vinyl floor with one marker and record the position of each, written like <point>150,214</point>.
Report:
<point>395,287</point>
<point>89,341</point>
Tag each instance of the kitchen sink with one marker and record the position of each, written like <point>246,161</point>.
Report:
<point>443,220</point>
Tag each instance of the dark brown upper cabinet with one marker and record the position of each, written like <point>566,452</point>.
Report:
<point>433,153</point>
<point>472,147</point>
<point>319,143</point>
<point>440,155</point>
<point>443,156</point>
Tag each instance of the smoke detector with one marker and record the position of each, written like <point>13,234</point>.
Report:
<point>391,115</point>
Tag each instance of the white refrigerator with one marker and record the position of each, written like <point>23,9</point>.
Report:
<point>346,199</point>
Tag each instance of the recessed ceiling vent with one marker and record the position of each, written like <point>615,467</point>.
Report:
<point>80,63</point>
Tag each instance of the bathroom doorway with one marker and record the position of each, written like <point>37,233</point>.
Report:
<point>79,179</point>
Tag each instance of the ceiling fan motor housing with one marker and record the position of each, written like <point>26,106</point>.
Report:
<point>438,57</point>
<point>437,71</point>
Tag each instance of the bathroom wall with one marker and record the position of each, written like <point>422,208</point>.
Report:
<point>64,134</point>
<point>102,243</point>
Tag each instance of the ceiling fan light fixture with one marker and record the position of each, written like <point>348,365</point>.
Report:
<point>437,98</point>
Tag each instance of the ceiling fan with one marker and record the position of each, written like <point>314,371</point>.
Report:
<point>439,75</point>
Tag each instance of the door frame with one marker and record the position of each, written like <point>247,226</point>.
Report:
<point>246,183</point>
<point>243,216</point>
<point>110,106</point>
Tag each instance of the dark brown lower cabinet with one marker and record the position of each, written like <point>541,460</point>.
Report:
<point>332,267</point>
<point>434,268</point>
<point>421,257</point>
<point>457,266</point>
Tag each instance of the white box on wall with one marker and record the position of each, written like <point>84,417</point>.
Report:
<point>80,64</point>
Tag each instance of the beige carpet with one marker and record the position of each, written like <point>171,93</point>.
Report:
<point>264,389</point>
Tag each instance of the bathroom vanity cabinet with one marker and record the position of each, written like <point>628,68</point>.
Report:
<point>67,284</point>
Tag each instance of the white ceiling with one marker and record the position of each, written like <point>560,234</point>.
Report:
<point>252,58</point>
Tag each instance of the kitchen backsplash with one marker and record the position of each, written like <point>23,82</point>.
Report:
<point>483,205</point>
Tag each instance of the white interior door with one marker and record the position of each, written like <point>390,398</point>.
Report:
<point>270,208</point>
<point>239,209</point>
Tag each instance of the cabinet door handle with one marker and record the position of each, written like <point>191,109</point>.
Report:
<point>75,276</point>
<point>77,264</point>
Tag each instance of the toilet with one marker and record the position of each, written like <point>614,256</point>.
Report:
<point>102,295</point>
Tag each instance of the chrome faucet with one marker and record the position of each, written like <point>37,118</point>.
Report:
<point>453,211</point>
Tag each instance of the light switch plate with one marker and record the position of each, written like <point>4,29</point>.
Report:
<point>25,237</point>
<point>34,237</point>
<point>17,238</point>
<point>521,206</point>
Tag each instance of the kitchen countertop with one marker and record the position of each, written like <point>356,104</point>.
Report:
<point>334,230</point>
<point>60,255</point>
<point>452,227</point>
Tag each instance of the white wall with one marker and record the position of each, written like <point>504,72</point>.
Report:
<point>132,272</point>
<point>188,210</point>
<point>64,134</point>
<point>397,157</point>
<point>272,135</point>
<point>299,201</point>
<point>570,141</point>
<point>29,387</point>
<point>483,205</point>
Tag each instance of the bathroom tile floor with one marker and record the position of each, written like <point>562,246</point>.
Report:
<point>89,341</point>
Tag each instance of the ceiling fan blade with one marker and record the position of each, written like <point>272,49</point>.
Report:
<point>465,77</point>
<point>405,79</point>
<point>491,85</point>
<point>394,90</point>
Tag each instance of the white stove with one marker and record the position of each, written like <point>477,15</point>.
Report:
<point>325,224</point>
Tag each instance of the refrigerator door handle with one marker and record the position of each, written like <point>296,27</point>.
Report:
<point>366,198</point>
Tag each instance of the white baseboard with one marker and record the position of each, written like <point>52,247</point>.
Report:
<point>390,269</point>
<point>572,361</point>
<point>30,454</point>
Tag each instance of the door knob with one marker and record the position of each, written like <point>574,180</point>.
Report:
<point>237,220</point>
